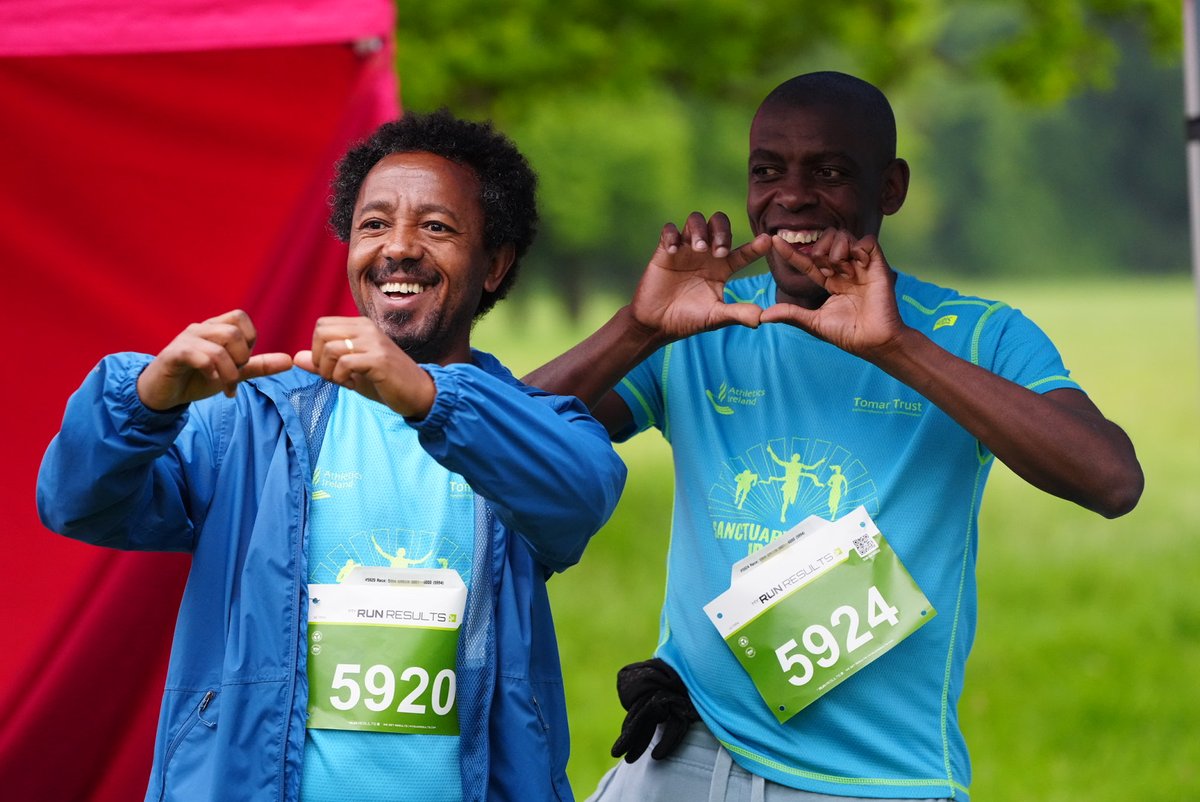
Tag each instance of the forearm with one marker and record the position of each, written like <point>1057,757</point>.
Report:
<point>107,478</point>
<point>1058,441</point>
<point>594,366</point>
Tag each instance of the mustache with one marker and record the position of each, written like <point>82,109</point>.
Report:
<point>409,269</point>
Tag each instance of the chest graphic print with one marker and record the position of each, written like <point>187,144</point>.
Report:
<point>769,488</point>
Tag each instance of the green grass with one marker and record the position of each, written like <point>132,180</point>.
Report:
<point>1083,683</point>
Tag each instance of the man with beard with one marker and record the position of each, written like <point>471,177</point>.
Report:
<point>391,465</point>
<point>890,393</point>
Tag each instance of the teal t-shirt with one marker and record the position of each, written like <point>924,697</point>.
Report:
<point>768,426</point>
<point>380,500</point>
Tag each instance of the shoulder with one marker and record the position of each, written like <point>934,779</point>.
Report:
<point>931,307</point>
<point>488,364</point>
<point>486,367</point>
<point>985,331</point>
<point>926,294</point>
<point>492,366</point>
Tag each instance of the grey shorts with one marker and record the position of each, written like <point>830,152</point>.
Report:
<point>699,769</point>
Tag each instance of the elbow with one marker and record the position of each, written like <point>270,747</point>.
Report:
<point>1122,492</point>
<point>53,513</point>
<point>1123,502</point>
<point>600,504</point>
<point>559,533</point>
<point>597,487</point>
<point>74,524</point>
<point>592,510</point>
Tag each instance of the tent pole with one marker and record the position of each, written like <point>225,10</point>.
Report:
<point>1191,91</point>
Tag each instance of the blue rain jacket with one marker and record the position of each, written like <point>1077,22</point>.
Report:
<point>228,480</point>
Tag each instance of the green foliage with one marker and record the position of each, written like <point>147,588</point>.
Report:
<point>500,63</point>
<point>1059,47</point>
<point>1041,132</point>
<point>1001,189</point>
<point>1079,685</point>
<point>581,204</point>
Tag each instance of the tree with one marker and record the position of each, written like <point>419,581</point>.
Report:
<point>635,112</point>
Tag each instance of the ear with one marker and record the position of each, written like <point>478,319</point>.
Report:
<point>895,186</point>
<point>502,260</point>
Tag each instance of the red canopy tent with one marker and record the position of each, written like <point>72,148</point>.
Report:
<point>163,161</point>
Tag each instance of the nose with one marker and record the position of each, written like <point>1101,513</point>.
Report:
<point>795,191</point>
<point>404,243</point>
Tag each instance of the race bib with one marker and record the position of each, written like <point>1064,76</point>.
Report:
<point>815,607</point>
<point>381,651</point>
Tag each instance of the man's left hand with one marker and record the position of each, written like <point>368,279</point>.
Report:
<point>860,315</point>
<point>355,353</point>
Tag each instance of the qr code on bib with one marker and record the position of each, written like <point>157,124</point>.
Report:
<point>865,546</point>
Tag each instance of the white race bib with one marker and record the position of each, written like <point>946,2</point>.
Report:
<point>381,651</point>
<point>819,604</point>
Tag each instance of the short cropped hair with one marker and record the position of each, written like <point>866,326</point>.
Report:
<point>508,185</point>
<point>843,91</point>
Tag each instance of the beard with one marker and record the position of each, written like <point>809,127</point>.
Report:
<point>429,340</point>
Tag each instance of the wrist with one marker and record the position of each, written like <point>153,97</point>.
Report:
<point>145,388</point>
<point>648,337</point>
<point>419,397</point>
<point>896,350</point>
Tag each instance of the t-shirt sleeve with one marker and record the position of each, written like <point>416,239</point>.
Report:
<point>641,390</point>
<point>1013,346</point>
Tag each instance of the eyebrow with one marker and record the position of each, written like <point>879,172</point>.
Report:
<point>383,205</point>
<point>767,153</point>
<point>764,153</point>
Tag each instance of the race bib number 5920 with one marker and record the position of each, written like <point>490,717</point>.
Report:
<point>382,651</point>
<point>382,679</point>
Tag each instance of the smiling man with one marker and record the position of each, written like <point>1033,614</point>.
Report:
<point>371,522</point>
<point>870,389</point>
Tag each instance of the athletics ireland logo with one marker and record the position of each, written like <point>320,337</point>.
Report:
<point>727,397</point>
<point>323,481</point>
<point>773,486</point>
<point>716,402</point>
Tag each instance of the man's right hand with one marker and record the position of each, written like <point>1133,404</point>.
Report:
<point>682,290</point>
<point>654,696</point>
<point>205,359</point>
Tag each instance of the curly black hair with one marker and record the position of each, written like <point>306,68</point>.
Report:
<point>508,185</point>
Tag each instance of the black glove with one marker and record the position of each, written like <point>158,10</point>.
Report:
<point>653,694</point>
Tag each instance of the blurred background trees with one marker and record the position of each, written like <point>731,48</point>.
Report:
<point>1045,136</point>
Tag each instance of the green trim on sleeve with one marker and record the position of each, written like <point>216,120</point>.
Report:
<point>628,385</point>
<point>978,333</point>
<point>1050,379</point>
<point>908,299</point>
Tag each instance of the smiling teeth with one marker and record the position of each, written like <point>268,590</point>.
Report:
<point>801,237</point>
<point>402,287</point>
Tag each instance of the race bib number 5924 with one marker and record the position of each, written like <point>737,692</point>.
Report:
<point>813,613</point>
